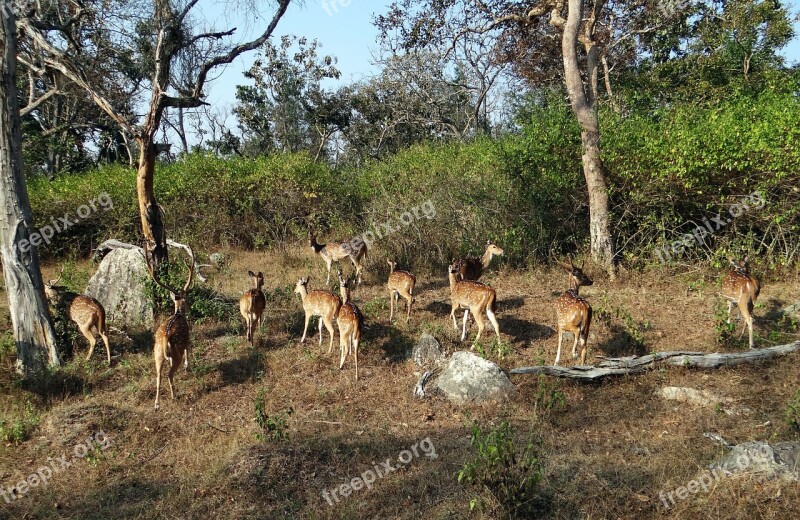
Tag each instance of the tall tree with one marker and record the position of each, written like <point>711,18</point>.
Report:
<point>150,38</point>
<point>30,318</point>
<point>575,32</point>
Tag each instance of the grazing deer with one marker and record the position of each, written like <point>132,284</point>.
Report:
<point>476,298</point>
<point>472,268</point>
<point>320,303</point>
<point>350,322</point>
<point>401,283</point>
<point>87,313</point>
<point>355,250</point>
<point>252,304</point>
<point>172,336</point>
<point>741,288</point>
<point>573,312</point>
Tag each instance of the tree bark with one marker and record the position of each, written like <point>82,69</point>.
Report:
<point>30,317</point>
<point>150,212</point>
<point>584,105</point>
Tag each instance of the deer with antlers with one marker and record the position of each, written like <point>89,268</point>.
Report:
<point>355,250</point>
<point>573,312</point>
<point>87,313</point>
<point>252,304</point>
<point>741,288</point>
<point>472,268</point>
<point>172,340</point>
<point>320,303</point>
<point>401,283</point>
<point>351,322</point>
<point>476,298</point>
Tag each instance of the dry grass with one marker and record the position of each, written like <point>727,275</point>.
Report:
<point>608,451</point>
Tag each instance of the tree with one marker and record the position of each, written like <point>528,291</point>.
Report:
<point>30,318</point>
<point>150,38</point>
<point>546,29</point>
<point>286,107</point>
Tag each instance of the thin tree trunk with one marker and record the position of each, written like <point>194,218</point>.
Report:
<point>30,317</point>
<point>149,211</point>
<point>585,109</point>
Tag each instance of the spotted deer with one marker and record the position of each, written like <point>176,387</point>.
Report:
<point>741,288</point>
<point>401,283</point>
<point>172,336</point>
<point>355,250</point>
<point>476,298</point>
<point>351,322</point>
<point>573,312</point>
<point>87,313</point>
<point>320,303</point>
<point>472,268</point>
<point>252,304</point>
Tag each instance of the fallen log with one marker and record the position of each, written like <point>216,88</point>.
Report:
<point>609,367</point>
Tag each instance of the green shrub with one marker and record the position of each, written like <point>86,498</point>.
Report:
<point>511,474</point>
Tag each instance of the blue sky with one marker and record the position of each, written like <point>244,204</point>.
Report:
<point>345,31</point>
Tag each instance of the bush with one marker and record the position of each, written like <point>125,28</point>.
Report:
<point>510,473</point>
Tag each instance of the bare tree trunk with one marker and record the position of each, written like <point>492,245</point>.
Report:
<point>149,211</point>
<point>30,317</point>
<point>585,109</point>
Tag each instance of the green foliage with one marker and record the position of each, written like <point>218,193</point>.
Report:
<point>548,394</point>
<point>793,413</point>
<point>496,348</point>
<point>510,473</point>
<point>270,427</point>
<point>725,331</point>
<point>18,425</point>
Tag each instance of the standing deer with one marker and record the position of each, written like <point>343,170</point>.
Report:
<point>573,312</point>
<point>476,298</point>
<point>401,283</point>
<point>350,322</point>
<point>320,303</point>
<point>252,304</point>
<point>741,288</point>
<point>472,268</point>
<point>87,313</point>
<point>172,336</point>
<point>355,250</point>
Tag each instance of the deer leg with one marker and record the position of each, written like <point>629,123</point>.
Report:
<point>159,363</point>
<point>493,319</point>
<point>748,317</point>
<point>344,345</point>
<point>391,305</point>
<point>86,330</point>
<point>560,339</point>
<point>464,327</point>
<point>305,329</point>
<point>185,359</point>
<point>584,345</point>
<point>170,375</point>
<point>409,300</point>
<point>730,310</point>
<point>577,334</point>
<point>479,320</point>
<point>453,315</point>
<point>108,348</point>
<point>329,326</point>
<point>319,326</point>
<point>356,341</point>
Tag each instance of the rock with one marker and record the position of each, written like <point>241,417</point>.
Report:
<point>689,395</point>
<point>427,351</point>
<point>468,378</point>
<point>779,460</point>
<point>120,286</point>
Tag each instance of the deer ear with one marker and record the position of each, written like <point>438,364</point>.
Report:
<point>250,274</point>
<point>260,274</point>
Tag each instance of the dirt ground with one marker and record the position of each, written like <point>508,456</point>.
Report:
<point>608,450</point>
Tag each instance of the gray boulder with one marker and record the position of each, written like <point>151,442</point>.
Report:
<point>778,460</point>
<point>468,378</point>
<point>427,351</point>
<point>119,285</point>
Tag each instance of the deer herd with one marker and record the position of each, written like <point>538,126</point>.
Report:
<point>172,337</point>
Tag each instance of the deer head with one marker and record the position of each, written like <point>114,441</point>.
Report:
<point>178,296</point>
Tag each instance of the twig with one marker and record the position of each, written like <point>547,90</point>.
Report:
<point>218,429</point>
